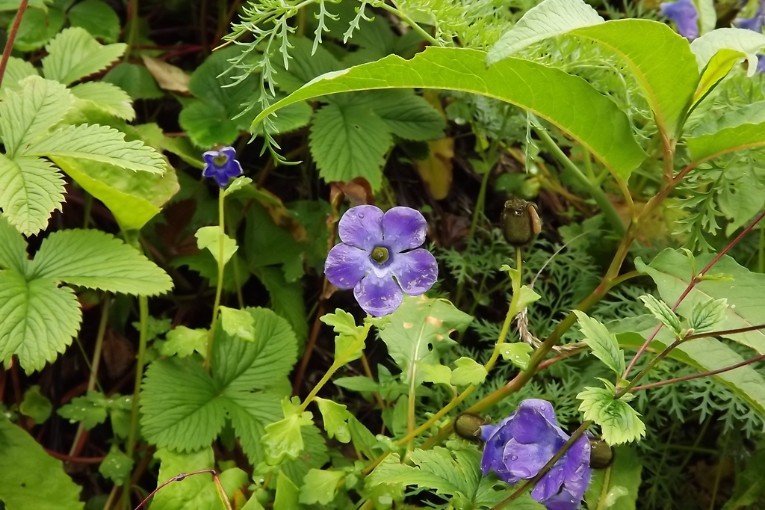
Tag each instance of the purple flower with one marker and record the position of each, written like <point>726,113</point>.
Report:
<point>221,165</point>
<point>755,22</point>
<point>380,257</point>
<point>524,442</point>
<point>685,16</point>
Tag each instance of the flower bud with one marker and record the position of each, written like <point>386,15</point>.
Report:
<point>601,455</point>
<point>520,222</point>
<point>468,426</point>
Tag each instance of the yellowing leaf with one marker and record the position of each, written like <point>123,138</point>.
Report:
<point>436,170</point>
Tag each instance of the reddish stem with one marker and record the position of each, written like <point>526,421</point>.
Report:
<point>699,375</point>
<point>12,38</point>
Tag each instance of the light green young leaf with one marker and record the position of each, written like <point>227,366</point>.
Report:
<point>589,117</point>
<point>418,333</point>
<point>745,41</point>
<point>468,372</point>
<point>184,342</point>
<point>350,339</point>
<point>526,297</point>
<point>74,54</point>
<point>209,238</point>
<point>663,312</point>
<point>283,439</point>
<point>134,198</point>
<point>518,353</point>
<point>237,323</point>
<point>618,421</point>
<point>704,315</point>
<point>116,466</point>
<point>287,493</point>
<point>616,487</point>
<point>335,417</point>
<point>602,342</point>
<point>17,69</point>
<point>31,478</point>
<point>27,114</point>
<point>716,69</point>
<point>93,408</point>
<point>13,249</point>
<point>99,144</point>
<point>40,319</point>
<point>320,486</point>
<point>30,190</point>
<point>546,19</point>
<point>195,491</point>
<point>349,141</point>
<point>105,97</point>
<point>97,260</point>
<point>672,270</point>
<point>35,405</point>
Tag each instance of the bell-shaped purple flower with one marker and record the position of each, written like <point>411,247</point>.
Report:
<point>221,165</point>
<point>685,16</point>
<point>524,442</point>
<point>380,257</point>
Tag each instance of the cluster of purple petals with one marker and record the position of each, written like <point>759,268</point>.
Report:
<point>221,165</point>
<point>520,445</point>
<point>380,257</point>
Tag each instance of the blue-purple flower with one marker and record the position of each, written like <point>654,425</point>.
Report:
<point>380,257</point>
<point>524,442</point>
<point>221,165</point>
<point>756,22</point>
<point>685,16</point>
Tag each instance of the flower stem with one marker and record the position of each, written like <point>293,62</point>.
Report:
<point>550,463</point>
<point>334,367</point>
<point>221,274</point>
<point>182,476</point>
<point>699,375</point>
<point>8,49</point>
<point>409,21</point>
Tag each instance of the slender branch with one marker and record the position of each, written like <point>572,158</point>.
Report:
<point>182,476</point>
<point>409,21</point>
<point>699,375</point>
<point>547,467</point>
<point>725,332</point>
<point>12,38</point>
<point>221,275</point>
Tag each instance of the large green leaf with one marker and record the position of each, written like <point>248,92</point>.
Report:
<point>105,97</point>
<point>134,198</point>
<point>184,408</point>
<point>13,249</point>
<point>31,478</point>
<point>567,101</point>
<point>39,319</point>
<point>672,271</point>
<point>97,260</point>
<point>100,144</point>
<point>732,139</point>
<point>30,189</point>
<point>28,113</point>
<point>97,17</point>
<point>74,54</point>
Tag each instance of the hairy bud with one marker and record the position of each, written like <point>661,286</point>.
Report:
<point>520,222</point>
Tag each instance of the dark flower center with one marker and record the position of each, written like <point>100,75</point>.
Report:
<point>380,254</point>
<point>220,160</point>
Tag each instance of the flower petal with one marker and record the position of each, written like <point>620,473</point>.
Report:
<point>361,226</point>
<point>346,265</point>
<point>685,16</point>
<point>525,460</point>
<point>531,425</point>
<point>403,228</point>
<point>416,270</point>
<point>378,296</point>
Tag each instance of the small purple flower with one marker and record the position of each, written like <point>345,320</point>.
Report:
<point>524,442</point>
<point>380,257</point>
<point>755,22</point>
<point>221,165</point>
<point>685,16</point>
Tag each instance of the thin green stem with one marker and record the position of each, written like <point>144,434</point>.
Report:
<point>597,193</point>
<point>221,274</point>
<point>479,203</point>
<point>132,34</point>
<point>409,21</point>
<point>319,385</point>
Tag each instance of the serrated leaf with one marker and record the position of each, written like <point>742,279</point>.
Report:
<point>741,40</point>
<point>30,190</point>
<point>663,312</point>
<point>335,417</point>
<point>283,439</point>
<point>116,466</point>
<point>671,270</point>
<point>320,486</point>
<point>518,353</point>
<point>35,405</point>
<point>417,334</point>
<point>100,144</point>
<point>468,372</point>
<point>194,491</point>
<point>237,323</point>
<point>619,422</point>
<point>704,315</point>
<point>27,114</point>
<point>184,408</point>
<point>13,249</point>
<point>602,342</point>
<point>39,319</point>
<point>15,71</point>
<point>134,198</point>
<point>350,339</point>
<point>97,17</point>
<point>349,141</point>
<point>74,54</point>
<point>408,115</point>
<point>97,260</point>
<point>184,342</point>
<point>90,409</point>
<point>616,487</point>
<point>210,238</point>
<point>545,20</point>
<point>31,478</point>
<point>105,97</point>
<point>589,117</point>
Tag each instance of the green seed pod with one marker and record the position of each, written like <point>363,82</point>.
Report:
<point>468,426</point>
<point>601,455</point>
<point>520,222</point>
